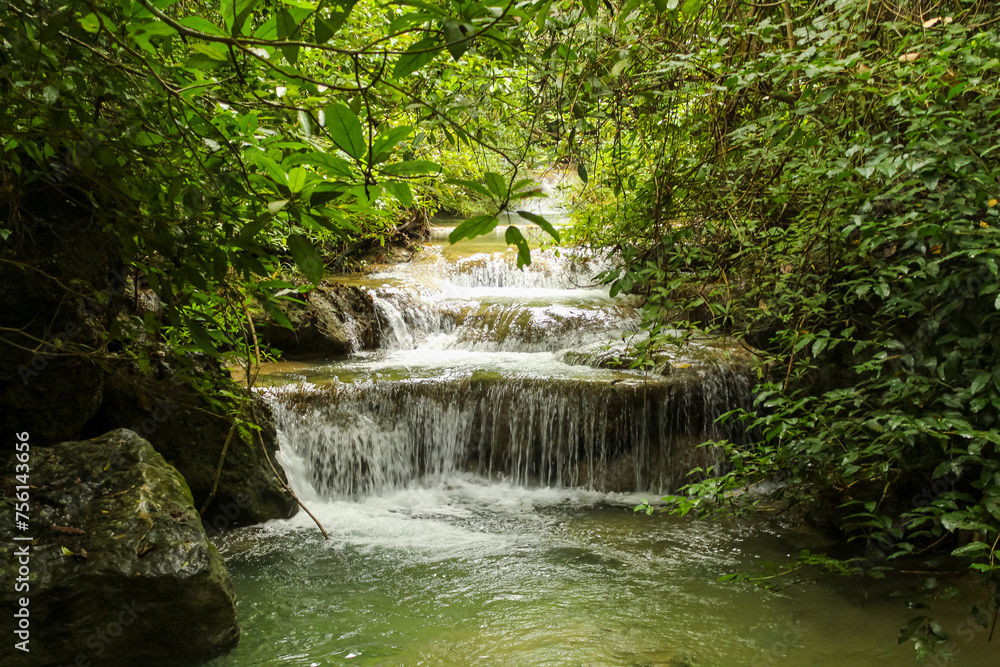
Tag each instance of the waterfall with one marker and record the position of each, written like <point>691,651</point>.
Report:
<point>487,370</point>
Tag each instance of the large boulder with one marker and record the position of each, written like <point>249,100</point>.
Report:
<point>120,571</point>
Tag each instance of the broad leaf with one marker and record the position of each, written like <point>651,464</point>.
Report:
<point>496,183</point>
<point>455,37</point>
<point>416,57</point>
<point>412,167</point>
<point>514,237</point>
<point>401,191</point>
<point>473,227</point>
<point>345,130</point>
<point>541,222</point>
<point>235,14</point>
<point>306,257</point>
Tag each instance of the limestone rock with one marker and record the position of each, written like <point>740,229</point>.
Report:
<point>121,571</point>
<point>336,319</point>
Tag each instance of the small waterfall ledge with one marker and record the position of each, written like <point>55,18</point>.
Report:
<point>509,375</point>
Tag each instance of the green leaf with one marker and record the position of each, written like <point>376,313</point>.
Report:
<point>514,237</point>
<point>201,338</point>
<point>297,179</point>
<point>473,227</point>
<point>581,170</point>
<point>331,164</point>
<point>415,57</point>
<point>541,222</point>
<point>288,29</point>
<point>306,257</point>
<point>980,382</point>
<point>691,7</point>
<point>235,14</point>
<point>386,141</point>
<point>275,206</point>
<point>306,122</point>
<point>542,14</point>
<point>472,185</point>
<point>90,22</point>
<point>401,191</point>
<point>251,228</point>
<point>496,184</point>
<point>345,130</point>
<point>327,27</point>
<point>592,7</point>
<point>411,167</point>
<point>201,25</point>
<point>911,628</point>
<point>455,37</point>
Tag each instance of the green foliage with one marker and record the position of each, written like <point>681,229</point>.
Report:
<point>221,143</point>
<point>821,178</point>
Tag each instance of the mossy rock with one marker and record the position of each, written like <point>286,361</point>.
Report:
<point>121,571</point>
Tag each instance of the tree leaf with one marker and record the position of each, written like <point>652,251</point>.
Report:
<point>345,130</point>
<point>306,257</point>
<point>581,171</point>
<point>496,183</point>
<point>288,28</point>
<point>235,13</point>
<point>980,382</point>
<point>386,141</point>
<point>399,190</point>
<point>411,167</point>
<point>297,179</point>
<point>514,237</point>
<point>472,185</point>
<point>455,37</point>
<point>331,164</point>
<point>473,227</point>
<point>275,206</point>
<point>415,57</point>
<point>541,222</point>
<point>327,27</point>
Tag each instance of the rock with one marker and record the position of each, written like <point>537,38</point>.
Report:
<point>179,422</point>
<point>121,571</point>
<point>336,319</point>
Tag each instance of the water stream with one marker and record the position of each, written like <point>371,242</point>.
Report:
<point>477,475</point>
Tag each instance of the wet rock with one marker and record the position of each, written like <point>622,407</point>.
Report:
<point>167,410</point>
<point>121,571</point>
<point>335,319</point>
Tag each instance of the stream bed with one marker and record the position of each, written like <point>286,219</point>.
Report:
<point>477,476</point>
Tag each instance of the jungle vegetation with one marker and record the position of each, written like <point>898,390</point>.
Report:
<point>817,178</point>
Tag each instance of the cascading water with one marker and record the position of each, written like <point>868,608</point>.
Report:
<point>483,368</point>
<point>456,471</point>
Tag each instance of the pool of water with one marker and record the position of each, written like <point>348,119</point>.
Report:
<point>474,572</point>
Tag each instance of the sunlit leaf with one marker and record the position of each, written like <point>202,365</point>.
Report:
<point>346,131</point>
<point>473,227</point>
